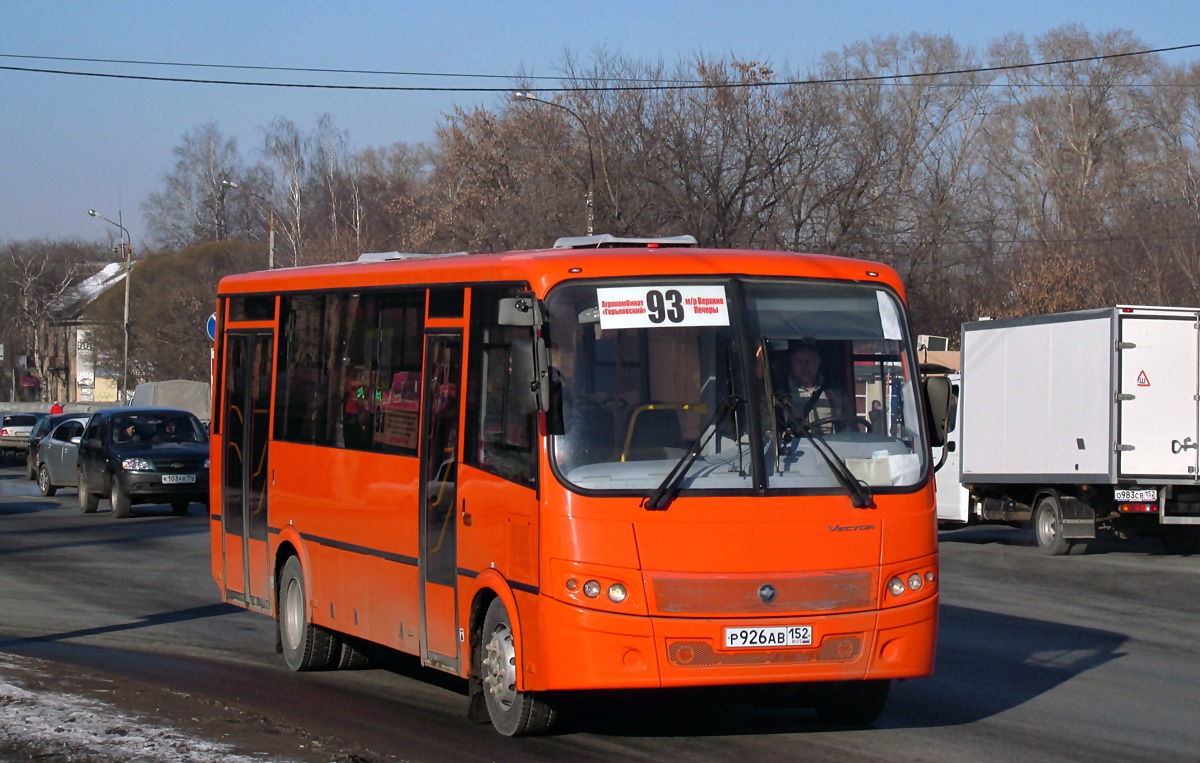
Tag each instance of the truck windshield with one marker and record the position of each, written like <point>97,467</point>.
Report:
<point>645,365</point>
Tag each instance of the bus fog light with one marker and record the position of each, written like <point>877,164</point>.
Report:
<point>915,582</point>
<point>572,584</point>
<point>616,593</point>
<point>895,586</point>
<point>591,589</point>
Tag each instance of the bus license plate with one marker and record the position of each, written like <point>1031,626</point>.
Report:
<point>1137,496</point>
<point>766,638</point>
<point>175,479</point>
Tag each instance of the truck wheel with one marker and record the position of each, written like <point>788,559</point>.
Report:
<point>1048,525</point>
<point>87,501</point>
<point>513,712</point>
<point>305,646</point>
<point>853,703</point>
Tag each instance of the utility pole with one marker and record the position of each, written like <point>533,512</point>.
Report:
<point>271,227</point>
<point>128,273</point>
<point>527,96</point>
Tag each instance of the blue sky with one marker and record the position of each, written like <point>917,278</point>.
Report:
<point>68,144</point>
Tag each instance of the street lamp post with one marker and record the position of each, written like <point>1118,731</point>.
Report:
<point>128,274</point>
<point>270,211</point>
<point>528,96</point>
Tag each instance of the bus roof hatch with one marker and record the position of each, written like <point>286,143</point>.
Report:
<point>397,256</point>
<point>609,241</point>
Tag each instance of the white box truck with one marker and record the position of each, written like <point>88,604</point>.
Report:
<point>1078,423</point>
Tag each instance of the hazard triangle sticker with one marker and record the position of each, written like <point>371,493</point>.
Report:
<point>1143,380</point>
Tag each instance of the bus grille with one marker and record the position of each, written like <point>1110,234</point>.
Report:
<point>700,654</point>
<point>739,594</point>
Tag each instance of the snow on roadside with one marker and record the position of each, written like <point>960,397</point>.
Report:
<point>77,727</point>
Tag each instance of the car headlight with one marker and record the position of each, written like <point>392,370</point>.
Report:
<point>136,465</point>
<point>206,462</point>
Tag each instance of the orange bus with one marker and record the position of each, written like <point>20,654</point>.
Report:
<point>617,463</point>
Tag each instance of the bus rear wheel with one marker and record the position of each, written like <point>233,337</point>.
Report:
<point>305,646</point>
<point>853,703</point>
<point>512,712</point>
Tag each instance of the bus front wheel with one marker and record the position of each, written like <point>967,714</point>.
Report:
<point>512,712</point>
<point>305,646</point>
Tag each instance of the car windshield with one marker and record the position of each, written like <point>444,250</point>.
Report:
<point>156,429</point>
<point>645,368</point>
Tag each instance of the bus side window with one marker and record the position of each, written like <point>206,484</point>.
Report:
<point>500,438</point>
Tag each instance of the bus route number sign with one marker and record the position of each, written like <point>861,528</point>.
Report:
<point>635,307</point>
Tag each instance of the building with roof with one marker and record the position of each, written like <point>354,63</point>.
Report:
<point>69,366</point>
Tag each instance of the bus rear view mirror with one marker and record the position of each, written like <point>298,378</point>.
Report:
<point>521,378</point>
<point>528,379</point>
<point>937,399</point>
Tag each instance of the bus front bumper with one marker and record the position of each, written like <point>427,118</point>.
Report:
<point>589,649</point>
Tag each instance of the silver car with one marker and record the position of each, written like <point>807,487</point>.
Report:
<point>57,455</point>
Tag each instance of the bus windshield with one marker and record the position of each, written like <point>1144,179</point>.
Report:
<point>796,365</point>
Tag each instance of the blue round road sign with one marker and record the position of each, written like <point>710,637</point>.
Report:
<point>212,326</point>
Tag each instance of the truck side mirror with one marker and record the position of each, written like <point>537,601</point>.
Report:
<point>937,406</point>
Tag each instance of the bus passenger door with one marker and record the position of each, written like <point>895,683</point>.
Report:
<point>244,493</point>
<point>439,496</point>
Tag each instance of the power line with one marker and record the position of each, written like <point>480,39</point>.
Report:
<point>865,79</point>
<point>316,70</point>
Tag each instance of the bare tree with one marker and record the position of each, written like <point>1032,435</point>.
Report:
<point>193,206</point>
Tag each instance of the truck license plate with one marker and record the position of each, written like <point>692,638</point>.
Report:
<point>175,479</point>
<point>1137,496</point>
<point>766,638</point>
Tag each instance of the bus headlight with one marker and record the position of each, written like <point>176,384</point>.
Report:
<point>591,589</point>
<point>895,586</point>
<point>915,582</point>
<point>616,593</point>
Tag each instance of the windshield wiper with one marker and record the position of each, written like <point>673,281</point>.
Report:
<point>666,491</point>
<point>860,492</point>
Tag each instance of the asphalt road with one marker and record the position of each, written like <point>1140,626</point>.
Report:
<point>1073,658</point>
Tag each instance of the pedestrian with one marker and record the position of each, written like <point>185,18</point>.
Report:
<point>56,408</point>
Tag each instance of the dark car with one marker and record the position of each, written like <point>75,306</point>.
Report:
<point>143,455</point>
<point>47,422</point>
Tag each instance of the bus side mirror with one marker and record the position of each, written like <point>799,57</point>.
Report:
<point>937,400</point>
<point>529,376</point>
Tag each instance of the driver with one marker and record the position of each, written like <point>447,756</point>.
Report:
<point>811,398</point>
